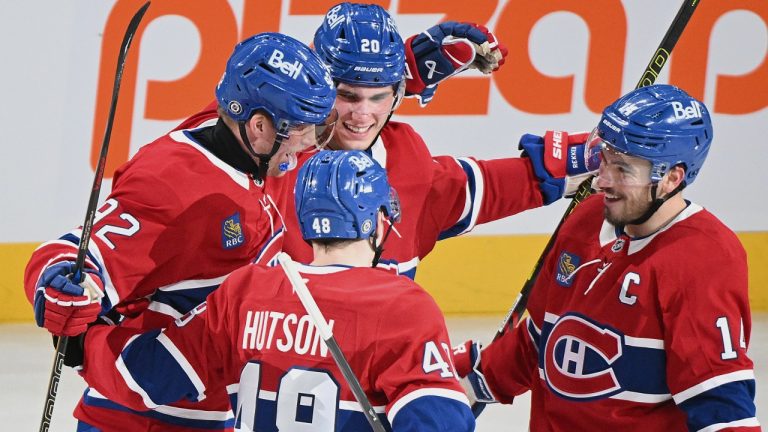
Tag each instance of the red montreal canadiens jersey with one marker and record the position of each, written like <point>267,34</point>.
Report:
<point>254,335</point>
<point>440,196</point>
<point>177,222</point>
<point>624,334</point>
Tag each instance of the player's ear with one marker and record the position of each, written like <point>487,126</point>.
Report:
<point>257,123</point>
<point>381,224</point>
<point>673,178</point>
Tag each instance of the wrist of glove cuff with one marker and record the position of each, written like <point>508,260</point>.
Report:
<point>466,358</point>
<point>74,354</point>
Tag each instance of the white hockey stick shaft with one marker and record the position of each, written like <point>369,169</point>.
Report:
<point>289,267</point>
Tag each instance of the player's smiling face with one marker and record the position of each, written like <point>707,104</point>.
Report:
<point>625,181</point>
<point>363,111</point>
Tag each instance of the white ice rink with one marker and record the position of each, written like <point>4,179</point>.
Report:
<point>26,356</point>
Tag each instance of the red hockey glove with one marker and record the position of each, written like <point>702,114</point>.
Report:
<point>445,50</point>
<point>64,307</point>
<point>558,161</point>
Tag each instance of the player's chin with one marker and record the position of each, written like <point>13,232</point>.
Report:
<point>356,143</point>
<point>613,216</point>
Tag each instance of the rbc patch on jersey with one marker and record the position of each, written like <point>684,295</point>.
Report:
<point>232,232</point>
<point>566,264</point>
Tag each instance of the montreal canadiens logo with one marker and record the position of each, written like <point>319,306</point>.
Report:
<point>235,107</point>
<point>578,359</point>
<point>366,226</point>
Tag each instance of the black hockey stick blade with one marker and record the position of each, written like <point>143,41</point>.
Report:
<point>61,347</point>
<point>658,60</point>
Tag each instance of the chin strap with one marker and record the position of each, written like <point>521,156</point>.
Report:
<point>379,249</point>
<point>656,203</point>
<point>399,94</point>
<point>262,157</point>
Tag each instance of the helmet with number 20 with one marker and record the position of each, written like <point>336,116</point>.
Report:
<point>339,194</point>
<point>362,46</point>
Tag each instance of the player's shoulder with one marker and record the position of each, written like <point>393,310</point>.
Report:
<point>398,128</point>
<point>401,134</point>
<point>401,295</point>
<point>699,229</point>
<point>267,279</point>
<point>178,163</point>
<point>161,156</point>
<point>207,113</point>
<point>405,148</point>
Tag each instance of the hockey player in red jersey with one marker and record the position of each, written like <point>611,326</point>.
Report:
<point>639,320</point>
<point>446,196</point>
<point>254,335</point>
<point>184,212</point>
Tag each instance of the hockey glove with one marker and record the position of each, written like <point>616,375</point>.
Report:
<point>75,352</point>
<point>466,358</point>
<point>64,307</point>
<point>558,161</point>
<point>445,50</point>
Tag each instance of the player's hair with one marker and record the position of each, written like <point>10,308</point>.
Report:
<point>224,114</point>
<point>280,75</point>
<point>331,243</point>
<point>362,45</point>
<point>662,124</point>
<point>339,195</point>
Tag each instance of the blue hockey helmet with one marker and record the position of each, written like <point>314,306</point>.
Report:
<point>659,123</point>
<point>339,194</point>
<point>280,75</point>
<point>361,44</point>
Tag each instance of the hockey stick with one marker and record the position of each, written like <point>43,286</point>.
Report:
<point>658,60</point>
<point>61,347</point>
<point>327,334</point>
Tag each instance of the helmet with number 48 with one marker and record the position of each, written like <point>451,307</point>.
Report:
<point>339,194</point>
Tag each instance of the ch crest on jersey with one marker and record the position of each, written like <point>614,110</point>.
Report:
<point>566,264</point>
<point>579,359</point>
<point>232,232</point>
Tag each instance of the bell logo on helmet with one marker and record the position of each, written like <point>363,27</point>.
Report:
<point>361,163</point>
<point>685,113</point>
<point>290,69</point>
<point>333,17</point>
